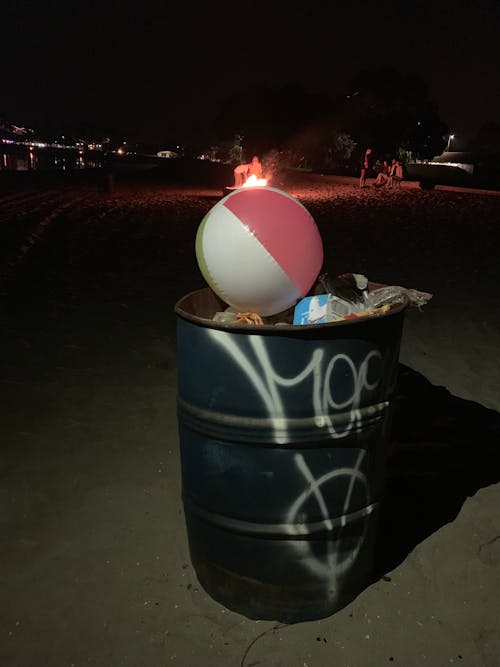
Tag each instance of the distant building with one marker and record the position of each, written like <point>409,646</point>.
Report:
<point>168,154</point>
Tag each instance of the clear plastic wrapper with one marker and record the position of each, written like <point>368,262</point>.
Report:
<point>225,317</point>
<point>392,295</point>
<point>417,298</point>
<point>231,316</point>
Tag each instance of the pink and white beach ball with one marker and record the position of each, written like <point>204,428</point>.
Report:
<point>259,249</point>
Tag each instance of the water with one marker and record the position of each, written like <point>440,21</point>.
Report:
<point>25,157</point>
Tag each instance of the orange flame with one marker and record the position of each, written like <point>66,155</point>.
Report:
<point>252,181</point>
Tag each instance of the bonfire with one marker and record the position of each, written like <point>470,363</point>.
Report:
<point>252,181</point>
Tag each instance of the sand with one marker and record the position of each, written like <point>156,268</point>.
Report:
<point>95,566</point>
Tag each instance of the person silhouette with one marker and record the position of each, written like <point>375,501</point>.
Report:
<point>243,171</point>
<point>255,167</point>
<point>240,174</point>
<point>366,165</point>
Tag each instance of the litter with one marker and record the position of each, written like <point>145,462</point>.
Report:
<point>345,297</point>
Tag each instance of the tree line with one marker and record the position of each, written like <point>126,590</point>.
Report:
<point>384,109</point>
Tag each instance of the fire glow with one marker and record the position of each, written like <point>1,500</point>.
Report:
<point>252,181</point>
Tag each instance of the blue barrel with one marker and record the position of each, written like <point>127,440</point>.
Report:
<point>284,443</point>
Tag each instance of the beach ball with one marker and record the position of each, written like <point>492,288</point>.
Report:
<point>259,249</point>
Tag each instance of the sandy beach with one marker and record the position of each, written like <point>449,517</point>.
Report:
<point>95,564</point>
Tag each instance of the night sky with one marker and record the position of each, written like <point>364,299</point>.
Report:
<point>158,71</point>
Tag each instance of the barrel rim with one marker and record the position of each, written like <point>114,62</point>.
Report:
<point>267,328</point>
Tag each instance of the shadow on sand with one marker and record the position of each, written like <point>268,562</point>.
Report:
<point>445,449</point>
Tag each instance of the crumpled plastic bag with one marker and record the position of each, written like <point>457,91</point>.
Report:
<point>350,287</point>
<point>394,294</point>
<point>353,288</point>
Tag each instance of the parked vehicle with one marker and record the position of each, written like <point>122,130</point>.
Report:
<point>464,169</point>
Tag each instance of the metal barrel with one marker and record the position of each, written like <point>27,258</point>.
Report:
<point>283,435</point>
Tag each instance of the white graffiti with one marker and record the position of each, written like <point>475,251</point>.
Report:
<point>332,568</point>
<point>267,382</point>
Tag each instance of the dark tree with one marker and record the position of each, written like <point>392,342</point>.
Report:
<point>390,111</point>
<point>487,139</point>
<point>384,109</point>
<point>269,118</point>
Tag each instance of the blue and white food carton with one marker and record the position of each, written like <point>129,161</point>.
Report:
<point>311,310</point>
<point>323,308</point>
